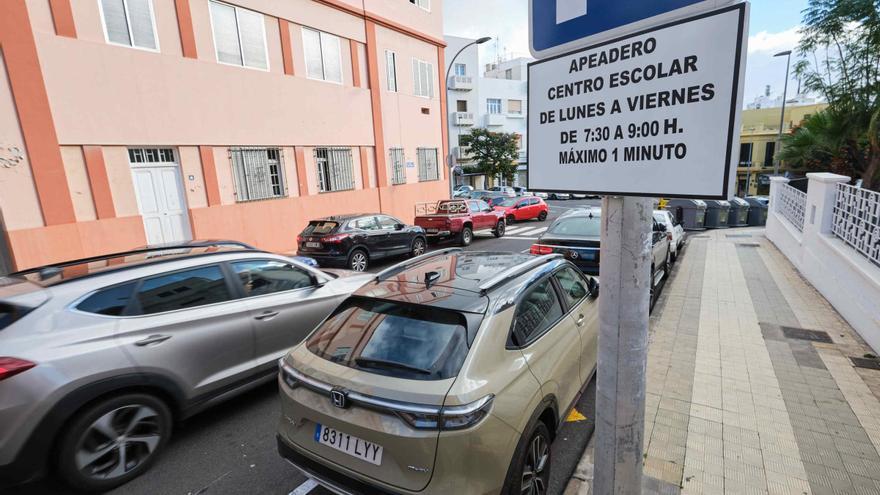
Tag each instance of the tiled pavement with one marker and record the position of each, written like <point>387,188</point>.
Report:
<point>737,401</point>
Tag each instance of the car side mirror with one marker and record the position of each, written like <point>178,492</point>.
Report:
<point>659,227</point>
<point>399,226</point>
<point>593,287</point>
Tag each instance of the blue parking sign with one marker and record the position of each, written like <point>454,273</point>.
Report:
<point>560,23</point>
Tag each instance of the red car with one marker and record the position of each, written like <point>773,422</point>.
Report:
<point>523,208</point>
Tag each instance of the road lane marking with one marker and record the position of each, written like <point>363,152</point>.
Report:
<point>533,231</point>
<point>512,230</point>
<point>515,238</point>
<point>305,488</point>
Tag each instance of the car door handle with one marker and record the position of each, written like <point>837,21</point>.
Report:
<point>152,339</point>
<point>580,321</point>
<point>266,315</point>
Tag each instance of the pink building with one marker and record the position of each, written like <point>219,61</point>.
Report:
<point>132,122</point>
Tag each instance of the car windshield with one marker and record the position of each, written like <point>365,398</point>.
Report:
<point>393,339</point>
<point>577,226</point>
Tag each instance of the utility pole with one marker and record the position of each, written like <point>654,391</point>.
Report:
<point>782,115</point>
<point>626,252</point>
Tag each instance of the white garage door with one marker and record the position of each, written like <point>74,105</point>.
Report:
<point>159,190</point>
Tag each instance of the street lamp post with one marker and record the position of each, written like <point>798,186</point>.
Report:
<point>450,163</point>
<point>786,53</point>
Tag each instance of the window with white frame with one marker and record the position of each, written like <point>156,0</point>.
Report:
<point>391,70</point>
<point>335,169</point>
<point>239,36</point>
<point>151,155</point>
<point>425,4</point>
<point>257,173</point>
<point>460,69</point>
<point>423,78</point>
<point>323,56</point>
<point>129,23</point>
<point>428,168</point>
<point>514,107</point>
<point>398,166</point>
<point>493,105</point>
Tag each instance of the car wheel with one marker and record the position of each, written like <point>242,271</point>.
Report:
<point>499,229</point>
<point>418,247</point>
<point>113,441</point>
<point>511,219</point>
<point>466,236</point>
<point>542,216</point>
<point>530,473</point>
<point>358,260</point>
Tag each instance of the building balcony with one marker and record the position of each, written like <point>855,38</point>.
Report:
<point>461,83</point>
<point>494,119</point>
<point>463,118</point>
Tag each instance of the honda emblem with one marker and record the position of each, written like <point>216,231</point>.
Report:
<point>339,398</point>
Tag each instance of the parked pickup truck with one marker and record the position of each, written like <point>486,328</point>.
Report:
<point>460,219</point>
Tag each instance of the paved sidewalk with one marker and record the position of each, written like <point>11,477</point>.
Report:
<point>750,384</point>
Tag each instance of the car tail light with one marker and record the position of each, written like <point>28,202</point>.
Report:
<point>669,235</point>
<point>10,366</point>
<point>334,239</point>
<point>539,249</point>
<point>449,418</point>
<point>299,238</point>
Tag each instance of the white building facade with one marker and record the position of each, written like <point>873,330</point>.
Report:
<point>493,97</point>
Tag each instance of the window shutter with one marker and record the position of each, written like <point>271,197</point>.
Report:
<point>141,24</point>
<point>416,78</point>
<point>331,57</point>
<point>225,34</point>
<point>312,47</point>
<point>115,22</point>
<point>391,70</point>
<point>429,75</point>
<point>251,25</point>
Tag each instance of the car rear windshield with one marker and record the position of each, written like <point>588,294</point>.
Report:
<point>320,227</point>
<point>507,202</point>
<point>393,339</point>
<point>577,226</point>
<point>452,207</point>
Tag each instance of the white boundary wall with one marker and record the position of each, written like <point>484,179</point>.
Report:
<point>847,279</point>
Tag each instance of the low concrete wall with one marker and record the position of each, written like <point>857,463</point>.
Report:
<point>841,274</point>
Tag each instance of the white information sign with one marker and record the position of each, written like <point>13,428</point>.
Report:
<point>652,114</point>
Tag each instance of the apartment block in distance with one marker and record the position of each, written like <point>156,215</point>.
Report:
<point>132,122</point>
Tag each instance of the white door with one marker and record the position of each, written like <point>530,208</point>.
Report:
<point>160,198</point>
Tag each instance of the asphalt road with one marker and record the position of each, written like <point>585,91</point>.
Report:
<point>231,449</point>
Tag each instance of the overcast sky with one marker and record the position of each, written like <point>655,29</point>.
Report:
<point>773,28</point>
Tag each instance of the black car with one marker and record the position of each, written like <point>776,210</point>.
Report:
<point>576,236</point>
<point>354,241</point>
<point>495,199</point>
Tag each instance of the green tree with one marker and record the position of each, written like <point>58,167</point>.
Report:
<point>495,152</point>
<point>840,50</point>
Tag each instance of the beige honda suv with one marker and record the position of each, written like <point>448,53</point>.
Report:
<point>449,373</point>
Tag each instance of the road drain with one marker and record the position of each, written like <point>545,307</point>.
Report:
<point>871,364</point>
<point>738,235</point>
<point>748,244</point>
<point>804,334</point>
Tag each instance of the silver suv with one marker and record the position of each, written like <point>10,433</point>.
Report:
<point>97,358</point>
<point>448,374</point>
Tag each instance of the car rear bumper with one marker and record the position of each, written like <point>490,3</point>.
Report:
<point>328,478</point>
<point>325,260</point>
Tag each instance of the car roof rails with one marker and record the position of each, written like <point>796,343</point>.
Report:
<point>406,265</point>
<point>516,271</point>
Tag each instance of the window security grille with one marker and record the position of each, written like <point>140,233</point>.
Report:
<point>257,173</point>
<point>398,166</point>
<point>428,169</point>
<point>151,155</point>
<point>335,169</point>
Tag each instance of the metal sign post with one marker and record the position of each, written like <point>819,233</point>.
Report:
<point>647,106</point>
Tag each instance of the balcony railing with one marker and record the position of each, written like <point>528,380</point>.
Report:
<point>494,119</point>
<point>463,118</point>
<point>857,220</point>
<point>461,83</point>
<point>791,205</point>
